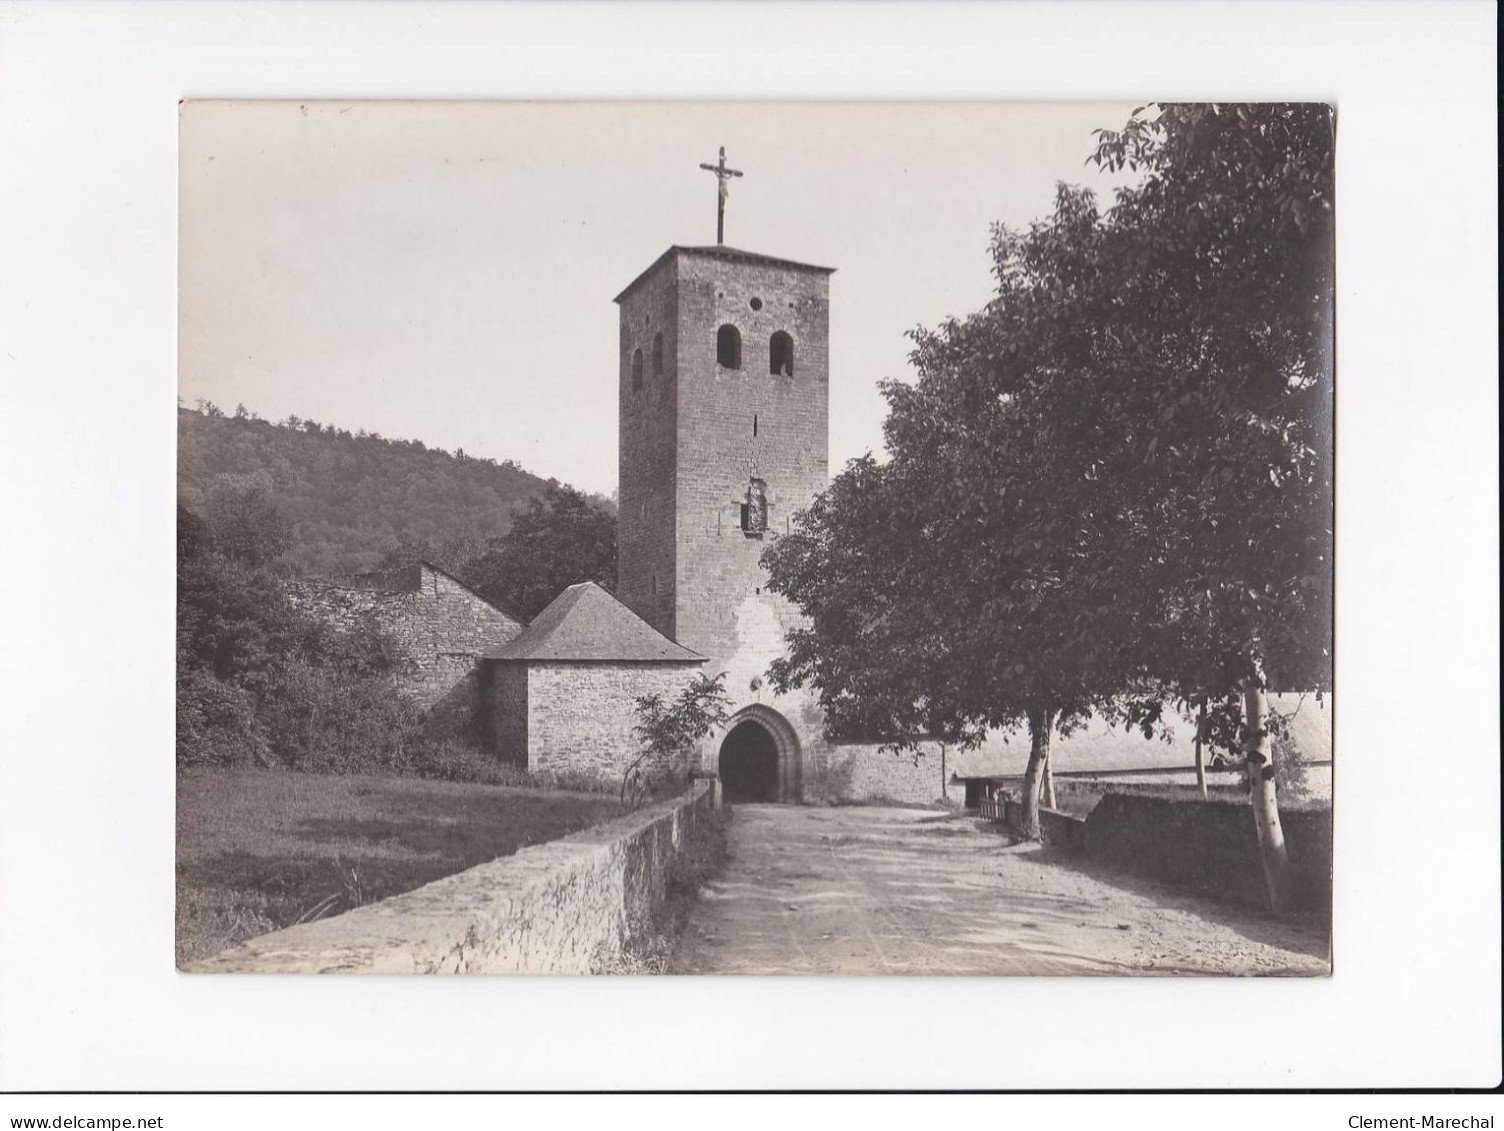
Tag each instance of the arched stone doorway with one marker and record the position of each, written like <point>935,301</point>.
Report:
<point>759,757</point>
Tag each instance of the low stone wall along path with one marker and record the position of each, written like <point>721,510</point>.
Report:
<point>902,891</point>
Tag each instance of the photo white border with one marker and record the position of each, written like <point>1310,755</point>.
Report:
<point>89,998</point>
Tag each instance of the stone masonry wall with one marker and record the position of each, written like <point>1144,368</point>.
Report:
<point>441,629</point>
<point>1211,846</point>
<point>736,425</point>
<point>580,715</point>
<point>647,454</point>
<point>849,771</point>
<point>508,713</point>
<point>757,626</point>
<point>571,906</point>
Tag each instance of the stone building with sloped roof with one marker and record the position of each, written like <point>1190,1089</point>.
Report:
<point>439,625</point>
<point>562,696</point>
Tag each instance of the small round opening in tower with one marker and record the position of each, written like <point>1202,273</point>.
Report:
<point>757,304</point>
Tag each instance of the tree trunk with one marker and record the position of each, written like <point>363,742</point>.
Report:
<point>1260,763</point>
<point>1040,724</point>
<point>1200,754</point>
<point>1049,775</point>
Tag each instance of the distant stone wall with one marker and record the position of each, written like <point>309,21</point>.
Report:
<point>571,906</point>
<point>1062,830</point>
<point>1208,846</point>
<point>1081,795</point>
<point>853,772</point>
<point>580,715</point>
<point>440,627</point>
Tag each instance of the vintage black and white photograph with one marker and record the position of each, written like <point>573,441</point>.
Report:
<point>776,538</point>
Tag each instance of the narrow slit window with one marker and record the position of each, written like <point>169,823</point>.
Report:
<point>754,424</point>
<point>636,370</point>
<point>658,354</point>
<point>728,347</point>
<point>781,354</point>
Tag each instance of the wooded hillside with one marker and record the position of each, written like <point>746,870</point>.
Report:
<point>354,501</point>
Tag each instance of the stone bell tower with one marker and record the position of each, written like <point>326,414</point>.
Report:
<point>724,401</point>
<point>725,406</point>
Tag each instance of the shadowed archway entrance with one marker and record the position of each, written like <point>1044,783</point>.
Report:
<point>749,763</point>
<point>759,757</point>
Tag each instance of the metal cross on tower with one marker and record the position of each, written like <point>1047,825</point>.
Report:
<point>723,177</point>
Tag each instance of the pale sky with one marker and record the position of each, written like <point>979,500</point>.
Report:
<point>444,271</point>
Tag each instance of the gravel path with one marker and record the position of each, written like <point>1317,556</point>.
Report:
<point>899,891</point>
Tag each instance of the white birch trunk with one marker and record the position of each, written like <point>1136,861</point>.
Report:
<point>1260,763</point>
<point>1049,775</point>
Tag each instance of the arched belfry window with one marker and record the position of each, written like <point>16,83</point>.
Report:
<point>728,347</point>
<point>658,354</point>
<point>781,354</point>
<point>636,370</point>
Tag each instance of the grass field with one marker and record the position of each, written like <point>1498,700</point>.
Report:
<point>262,850</point>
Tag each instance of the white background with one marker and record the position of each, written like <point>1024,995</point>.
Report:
<point>88,994</point>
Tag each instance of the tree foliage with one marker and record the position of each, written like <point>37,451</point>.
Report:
<point>555,541</point>
<point>669,729</point>
<point>352,502</point>
<point>1226,278</point>
<point>880,661</point>
<point>1111,486</point>
<point>261,684</point>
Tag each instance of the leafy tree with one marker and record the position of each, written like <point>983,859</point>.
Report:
<point>260,683</point>
<point>456,554</point>
<point>962,585</point>
<point>1224,267</point>
<point>244,523</point>
<point>234,619</point>
<point>1111,485</point>
<point>669,730</point>
<point>874,655</point>
<point>554,542</point>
